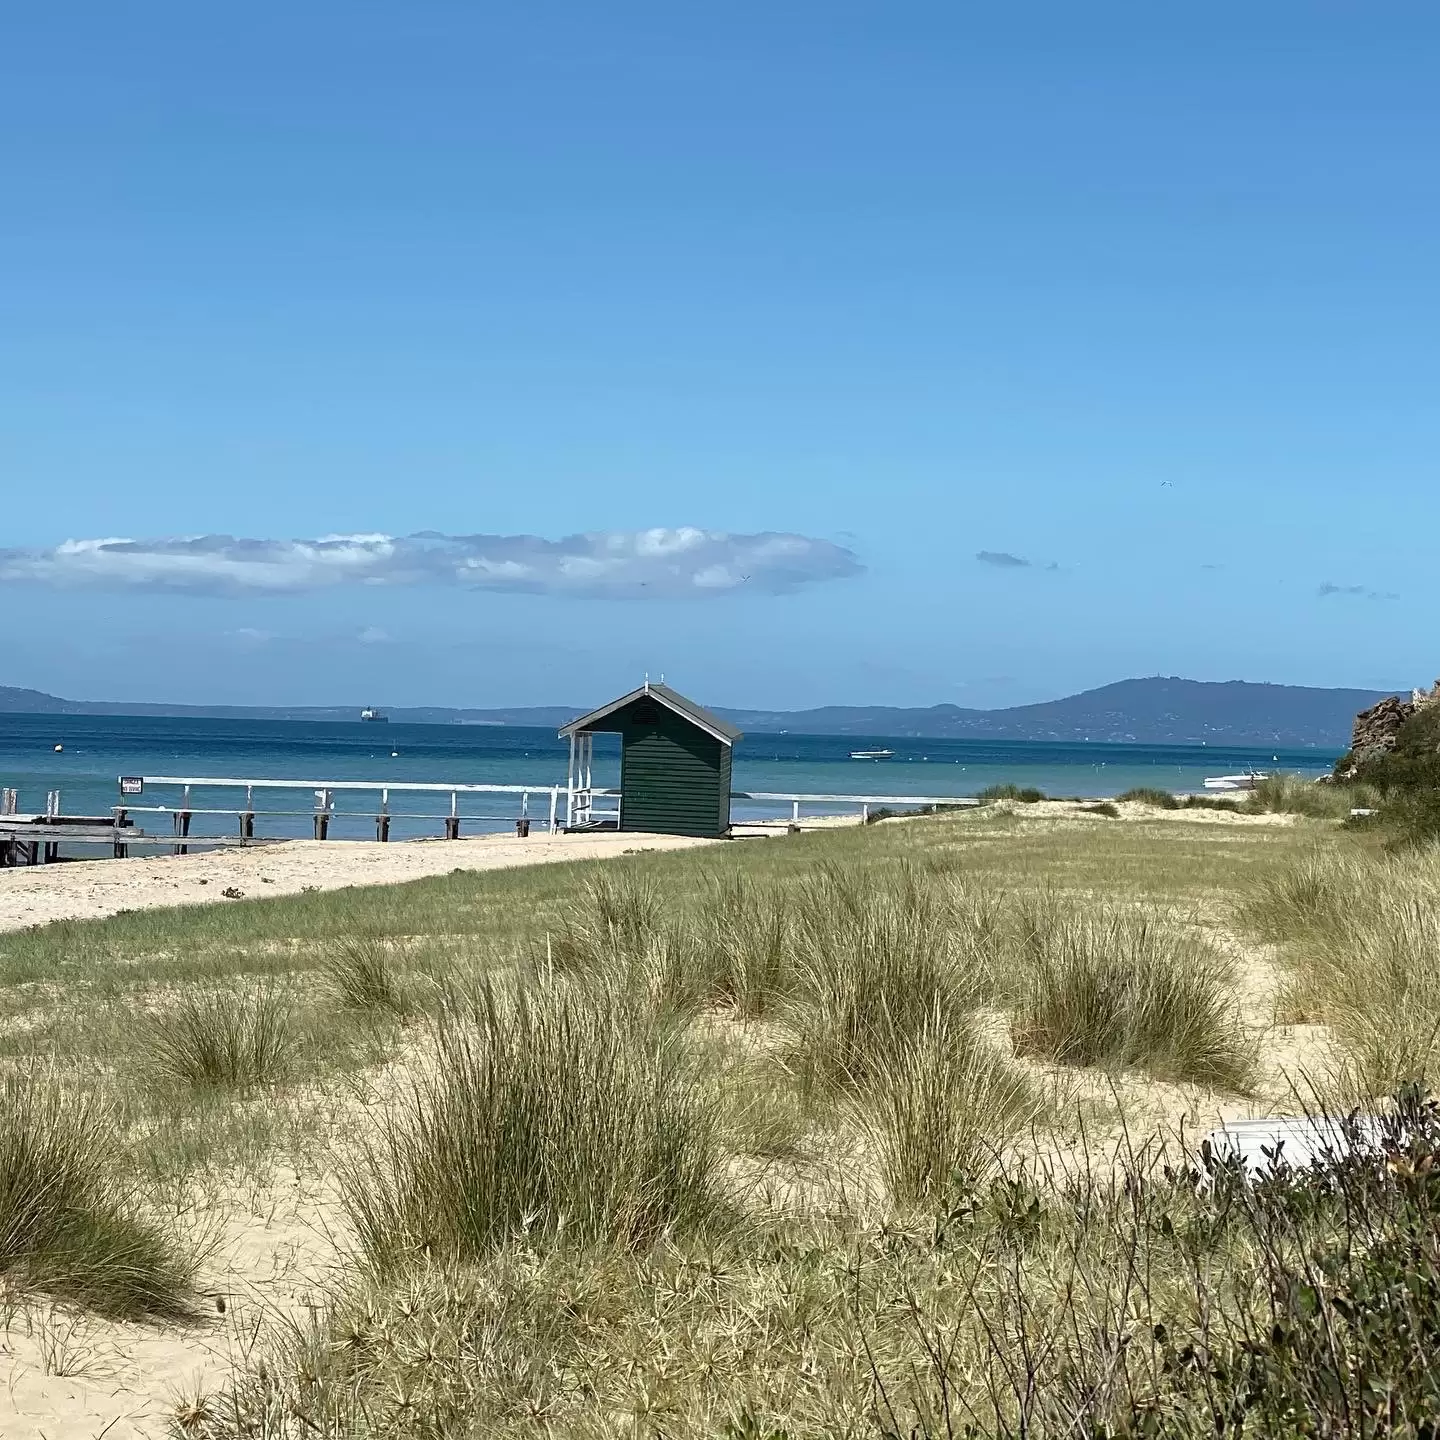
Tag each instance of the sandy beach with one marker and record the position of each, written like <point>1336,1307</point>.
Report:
<point>92,889</point>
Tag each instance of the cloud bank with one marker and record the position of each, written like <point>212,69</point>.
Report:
<point>614,563</point>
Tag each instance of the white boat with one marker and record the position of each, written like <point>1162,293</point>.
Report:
<point>371,713</point>
<point>1248,781</point>
<point>872,754</point>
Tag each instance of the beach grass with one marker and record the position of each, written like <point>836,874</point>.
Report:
<point>211,1038</point>
<point>363,976</point>
<point>718,1142</point>
<point>1114,988</point>
<point>70,1223</point>
<point>561,1113</point>
<point>1149,795</point>
<point>942,1109</point>
<point>1360,933</point>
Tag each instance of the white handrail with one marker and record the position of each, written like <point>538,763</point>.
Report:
<point>854,799</point>
<point>219,781</point>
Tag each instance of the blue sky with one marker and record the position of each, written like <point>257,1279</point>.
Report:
<point>721,341</point>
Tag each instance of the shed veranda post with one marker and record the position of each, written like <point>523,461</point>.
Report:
<point>675,765</point>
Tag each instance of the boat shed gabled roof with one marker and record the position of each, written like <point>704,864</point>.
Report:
<point>697,715</point>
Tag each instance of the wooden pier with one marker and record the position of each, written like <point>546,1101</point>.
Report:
<point>36,839</point>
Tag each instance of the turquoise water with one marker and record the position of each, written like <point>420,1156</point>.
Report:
<point>99,749</point>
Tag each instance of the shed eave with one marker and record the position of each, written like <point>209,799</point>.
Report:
<point>712,725</point>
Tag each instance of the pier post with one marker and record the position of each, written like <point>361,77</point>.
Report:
<point>182,821</point>
<point>323,802</point>
<point>452,820</point>
<point>121,849</point>
<point>554,803</point>
<point>247,815</point>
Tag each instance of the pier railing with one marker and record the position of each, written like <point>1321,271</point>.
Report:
<point>540,804</point>
<point>324,809</point>
<point>36,838</point>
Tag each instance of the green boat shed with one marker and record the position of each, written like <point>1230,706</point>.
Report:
<point>674,765</point>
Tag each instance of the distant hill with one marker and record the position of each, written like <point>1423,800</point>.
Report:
<point>1157,710</point>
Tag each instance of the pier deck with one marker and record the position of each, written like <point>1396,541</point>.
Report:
<point>36,839</point>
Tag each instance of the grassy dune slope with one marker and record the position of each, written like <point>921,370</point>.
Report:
<point>864,1132</point>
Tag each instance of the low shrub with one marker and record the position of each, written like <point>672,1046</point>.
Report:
<point>1117,989</point>
<point>1328,1326</point>
<point>212,1038</point>
<point>1027,795</point>
<point>560,1111</point>
<point>1409,819</point>
<point>68,1225</point>
<point>1150,795</point>
<point>1207,802</point>
<point>1104,807</point>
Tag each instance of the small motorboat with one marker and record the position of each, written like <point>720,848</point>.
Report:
<point>872,754</point>
<point>1247,781</point>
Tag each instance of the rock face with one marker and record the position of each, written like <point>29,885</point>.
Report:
<point>1376,729</point>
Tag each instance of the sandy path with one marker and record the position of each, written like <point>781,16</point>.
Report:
<point>92,889</point>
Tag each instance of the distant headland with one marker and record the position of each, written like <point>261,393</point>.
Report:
<point>1156,710</point>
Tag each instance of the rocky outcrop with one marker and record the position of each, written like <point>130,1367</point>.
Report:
<point>1377,729</point>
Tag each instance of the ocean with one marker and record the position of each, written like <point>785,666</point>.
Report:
<point>97,750</point>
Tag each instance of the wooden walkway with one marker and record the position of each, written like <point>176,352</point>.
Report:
<point>36,839</point>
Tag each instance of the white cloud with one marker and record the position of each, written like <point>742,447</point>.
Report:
<point>617,563</point>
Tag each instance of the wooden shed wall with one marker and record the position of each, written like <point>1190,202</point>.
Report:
<point>674,778</point>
